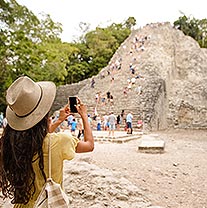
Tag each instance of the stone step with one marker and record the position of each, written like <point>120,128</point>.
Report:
<point>119,136</point>
<point>150,144</point>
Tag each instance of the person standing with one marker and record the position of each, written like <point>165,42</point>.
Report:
<point>90,120</point>
<point>92,82</point>
<point>112,123</point>
<point>80,128</point>
<point>123,119</point>
<point>140,124</point>
<point>98,123</point>
<point>118,122</point>
<point>108,95</point>
<point>73,126</point>
<point>105,122</point>
<point>64,125</point>
<point>129,118</point>
<point>25,139</point>
<point>111,100</point>
<point>70,120</point>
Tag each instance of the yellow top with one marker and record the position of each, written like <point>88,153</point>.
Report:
<point>62,148</point>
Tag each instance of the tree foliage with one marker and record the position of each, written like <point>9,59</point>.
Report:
<point>130,22</point>
<point>95,50</point>
<point>195,28</point>
<point>31,46</point>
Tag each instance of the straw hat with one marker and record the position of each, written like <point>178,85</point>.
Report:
<point>28,102</point>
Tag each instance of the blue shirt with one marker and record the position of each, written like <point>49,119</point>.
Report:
<point>129,117</point>
<point>73,125</point>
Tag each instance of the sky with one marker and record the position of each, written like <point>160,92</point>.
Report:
<point>102,13</point>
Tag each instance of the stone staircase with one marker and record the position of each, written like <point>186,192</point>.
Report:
<point>167,94</point>
<point>133,102</point>
<point>139,105</point>
<point>130,103</point>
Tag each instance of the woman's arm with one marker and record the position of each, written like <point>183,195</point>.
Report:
<point>64,113</point>
<point>83,146</point>
<point>88,144</point>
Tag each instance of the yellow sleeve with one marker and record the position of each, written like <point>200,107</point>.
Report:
<point>68,146</point>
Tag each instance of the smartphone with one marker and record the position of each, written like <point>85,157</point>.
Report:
<point>73,103</point>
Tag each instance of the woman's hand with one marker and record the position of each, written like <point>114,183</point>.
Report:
<point>63,114</point>
<point>88,144</point>
<point>81,108</point>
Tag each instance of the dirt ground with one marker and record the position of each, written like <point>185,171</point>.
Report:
<point>176,178</point>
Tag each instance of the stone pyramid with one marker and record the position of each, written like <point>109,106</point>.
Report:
<point>170,74</point>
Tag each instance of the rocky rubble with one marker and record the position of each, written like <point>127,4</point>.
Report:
<point>91,186</point>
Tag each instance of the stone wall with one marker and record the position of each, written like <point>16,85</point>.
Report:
<point>63,92</point>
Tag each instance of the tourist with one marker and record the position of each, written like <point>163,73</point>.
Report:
<point>80,128</point>
<point>112,123</point>
<point>125,91</point>
<point>103,100</point>
<point>24,141</point>
<point>111,100</point>
<point>140,124</point>
<point>123,117</point>
<point>105,122</point>
<point>129,118</point>
<point>92,83</point>
<point>64,125</point>
<point>73,126</point>
<point>108,95</point>
<point>90,120</point>
<point>98,121</point>
<point>70,119</point>
<point>118,122</point>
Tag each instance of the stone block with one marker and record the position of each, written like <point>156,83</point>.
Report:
<point>151,146</point>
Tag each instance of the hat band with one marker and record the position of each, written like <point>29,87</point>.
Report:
<point>34,107</point>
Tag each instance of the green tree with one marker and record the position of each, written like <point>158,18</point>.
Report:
<point>130,22</point>
<point>195,28</point>
<point>31,46</point>
<point>78,67</point>
<point>23,50</point>
<point>94,51</point>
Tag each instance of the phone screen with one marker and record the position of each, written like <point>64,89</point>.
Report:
<point>73,102</point>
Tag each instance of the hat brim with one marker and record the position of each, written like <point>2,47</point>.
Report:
<point>45,104</point>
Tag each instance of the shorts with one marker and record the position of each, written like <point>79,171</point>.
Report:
<point>112,126</point>
<point>107,124</point>
<point>129,125</point>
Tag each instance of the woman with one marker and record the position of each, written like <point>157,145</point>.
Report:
<point>24,142</point>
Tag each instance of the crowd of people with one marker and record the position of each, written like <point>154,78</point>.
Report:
<point>107,122</point>
<point>134,84</point>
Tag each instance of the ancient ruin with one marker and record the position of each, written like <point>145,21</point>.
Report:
<point>171,71</point>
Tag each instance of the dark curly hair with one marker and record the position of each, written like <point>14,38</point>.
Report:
<point>17,152</point>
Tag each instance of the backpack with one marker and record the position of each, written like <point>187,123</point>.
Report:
<point>51,195</point>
